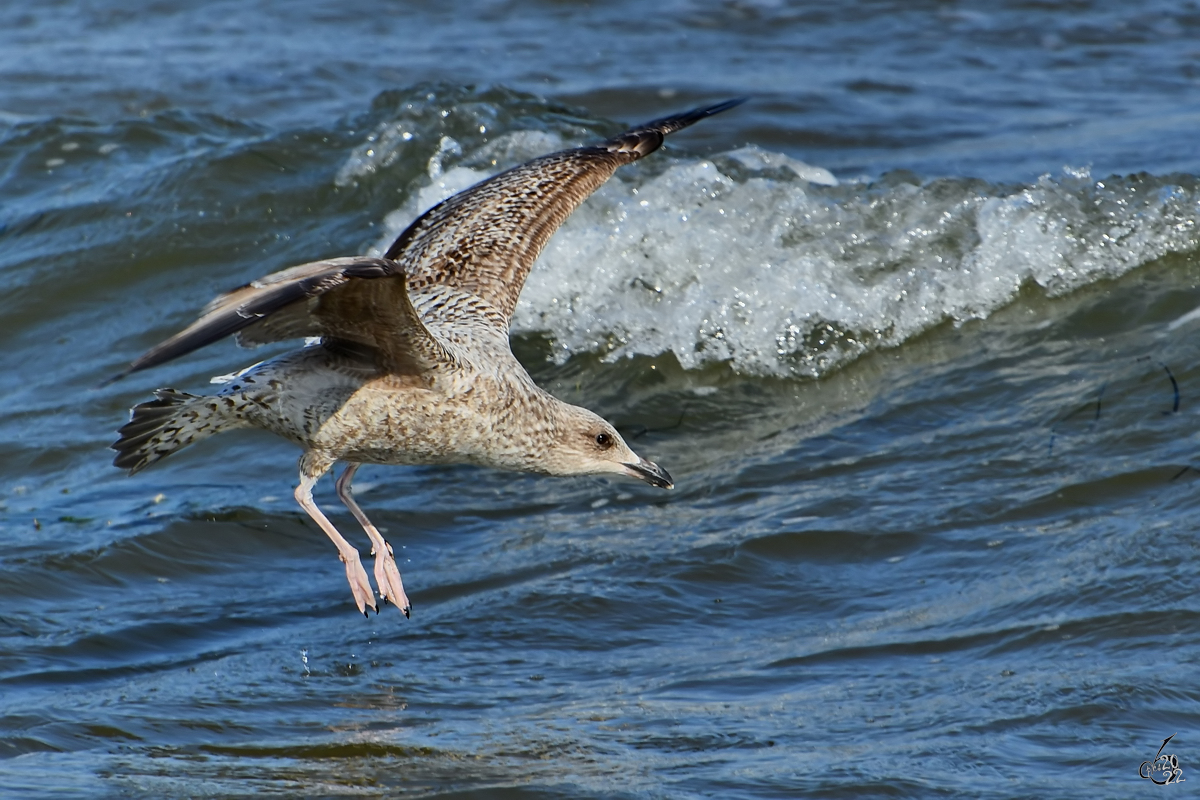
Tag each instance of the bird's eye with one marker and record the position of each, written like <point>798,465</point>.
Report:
<point>603,440</point>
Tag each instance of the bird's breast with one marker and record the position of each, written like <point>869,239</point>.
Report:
<point>451,420</point>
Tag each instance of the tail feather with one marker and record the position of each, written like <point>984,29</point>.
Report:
<point>162,426</point>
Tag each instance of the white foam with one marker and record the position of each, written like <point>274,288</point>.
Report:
<point>233,376</point>
<point>755,158</point>
<point>381,149</point>
<point>780,276</point>
<point>1191,316</point>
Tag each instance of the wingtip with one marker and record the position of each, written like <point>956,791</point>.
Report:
<point>148,359</point>
<point>645,139</point>
<point>697,114</point>
<point>724,105</point>
<point>677,122</point>
<point>109,381</point>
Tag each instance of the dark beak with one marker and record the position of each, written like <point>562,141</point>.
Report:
<point>649,472</point>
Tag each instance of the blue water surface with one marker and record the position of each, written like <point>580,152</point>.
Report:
<point>961,563</point>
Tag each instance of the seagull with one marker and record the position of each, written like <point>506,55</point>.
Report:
<point>407,359</point>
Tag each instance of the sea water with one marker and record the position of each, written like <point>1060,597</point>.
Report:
<point>913,330</point>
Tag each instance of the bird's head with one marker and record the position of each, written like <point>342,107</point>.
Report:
<point>585,444</point>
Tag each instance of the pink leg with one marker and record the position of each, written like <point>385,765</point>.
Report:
<point>364,596</point>
<point>387,574</point>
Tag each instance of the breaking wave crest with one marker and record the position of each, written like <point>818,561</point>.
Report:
<point>762,261</point>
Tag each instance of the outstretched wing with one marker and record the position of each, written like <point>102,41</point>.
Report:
<point>484,240</point>
<point>357,300</point>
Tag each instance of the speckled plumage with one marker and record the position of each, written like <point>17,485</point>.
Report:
<point>413,364</point>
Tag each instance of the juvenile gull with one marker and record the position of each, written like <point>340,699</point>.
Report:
<point>413,364</point>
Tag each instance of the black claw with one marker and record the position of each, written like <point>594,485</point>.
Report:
<point>385,600</point>
<point>406,611</point>
<point>365,614</point>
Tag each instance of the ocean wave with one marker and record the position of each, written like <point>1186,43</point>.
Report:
<point>761,261</point>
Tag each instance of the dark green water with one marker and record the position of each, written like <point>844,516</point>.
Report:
<point>933,432</point>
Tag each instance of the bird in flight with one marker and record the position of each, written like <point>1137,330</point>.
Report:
<point>410,361</point>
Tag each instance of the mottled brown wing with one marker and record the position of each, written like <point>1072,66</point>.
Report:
<point>484,240</point>
<point>359,300</point>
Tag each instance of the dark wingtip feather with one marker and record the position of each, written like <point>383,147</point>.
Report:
<point>645,139</point>
<point>110,381</point>
<point>674,123</point>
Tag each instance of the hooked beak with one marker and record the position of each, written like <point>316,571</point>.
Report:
<point>649,472</point>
